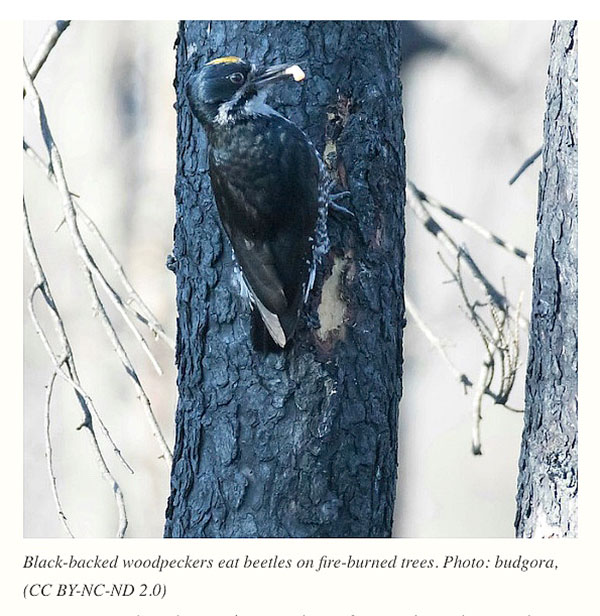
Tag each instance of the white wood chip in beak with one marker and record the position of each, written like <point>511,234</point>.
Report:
<point>296,72</point>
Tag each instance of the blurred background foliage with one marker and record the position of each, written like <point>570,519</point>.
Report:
<point>474,104</point>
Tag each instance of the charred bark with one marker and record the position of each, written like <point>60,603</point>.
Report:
<point>547,491</point>
<point>300,443</point>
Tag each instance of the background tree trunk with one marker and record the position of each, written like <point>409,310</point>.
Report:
<point>547,492</point>
<point>302,443</point>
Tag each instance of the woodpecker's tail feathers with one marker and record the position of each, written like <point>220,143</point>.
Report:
<point>264,322</point>
<point>261,339</point>
<point>270,332</point>
<point>272,323</point>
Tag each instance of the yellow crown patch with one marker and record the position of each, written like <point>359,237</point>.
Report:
<point>225,60</point>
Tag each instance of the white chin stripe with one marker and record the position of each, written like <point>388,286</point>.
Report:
<point>256,106</point>
<point>224,116</point>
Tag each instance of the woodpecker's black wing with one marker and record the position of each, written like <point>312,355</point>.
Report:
<point>265,178</point>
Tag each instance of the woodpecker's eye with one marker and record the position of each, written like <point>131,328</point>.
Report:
<point>236,78</point>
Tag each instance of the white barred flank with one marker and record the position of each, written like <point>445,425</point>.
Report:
<point>320,243</point>
<point>239,281</point>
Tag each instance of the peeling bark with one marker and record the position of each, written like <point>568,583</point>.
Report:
<point>547,491</point>
<point>332,309</point>
<point>301,443</point>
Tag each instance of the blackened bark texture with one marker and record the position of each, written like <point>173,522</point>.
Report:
<point>300,443</point>
<point>547,492</point>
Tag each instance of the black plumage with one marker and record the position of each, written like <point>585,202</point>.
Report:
<point>269,187</point>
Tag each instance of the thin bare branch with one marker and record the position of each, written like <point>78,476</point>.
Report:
<point>498,340</point>
<point>147,318</point>
<point>50,39</point>
<point>485,378</point>
<point>50,459</point>
<point>94,269</point>
<point>528,162</point>
<point>437,344</point>
<point>66,358</point>
<point>89,266</point>
<point>420,207</point>
<point>461,377</point>
<point>70,375</point>
<point>475,226</point>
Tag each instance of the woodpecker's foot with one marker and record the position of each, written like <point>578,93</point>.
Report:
<point>340,195</point>
<point>336,208</point>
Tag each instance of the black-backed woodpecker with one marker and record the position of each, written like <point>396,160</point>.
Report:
<point>271,191</point>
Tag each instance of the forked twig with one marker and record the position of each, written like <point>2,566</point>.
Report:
<point>66,358</point>
<point>50,39</point>
<point>89,266</point>
<point>475,226</point>
<point>419,206</point>
<point>461,377</point>
<point>496,342</point>
<point>146,316</point>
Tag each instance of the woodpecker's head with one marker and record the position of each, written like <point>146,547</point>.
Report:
<point>228,88</point>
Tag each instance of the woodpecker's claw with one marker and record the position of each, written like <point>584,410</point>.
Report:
<point>340,209</point>
<point>335,208</point>
<point>340,195</point>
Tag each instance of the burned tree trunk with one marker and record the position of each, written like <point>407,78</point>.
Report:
<point>547,493</point>
<point>300,443</point>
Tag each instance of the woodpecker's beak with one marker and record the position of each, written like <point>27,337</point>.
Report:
<point>267,76</point>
